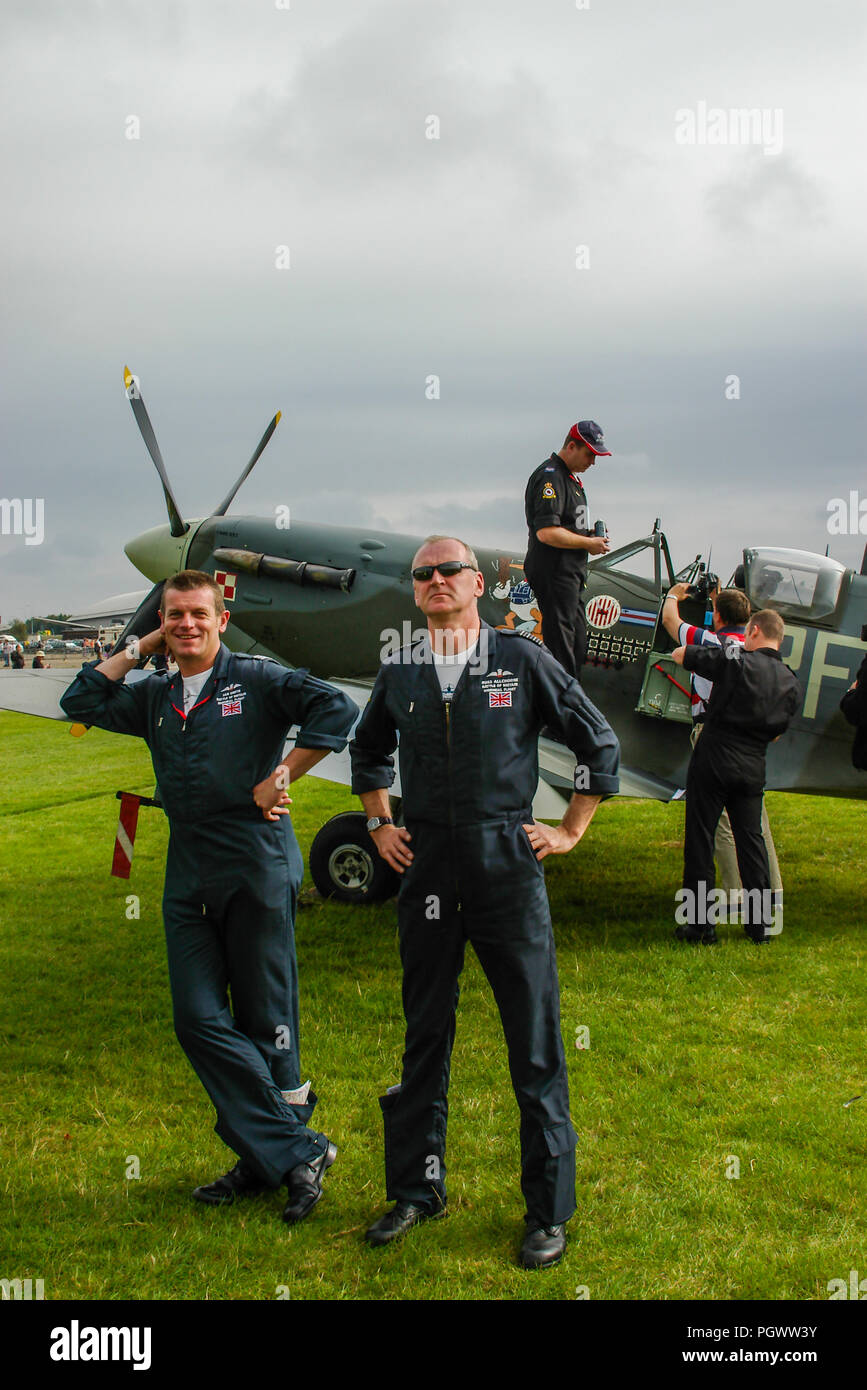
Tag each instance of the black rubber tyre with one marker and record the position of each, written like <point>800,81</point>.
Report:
<point>344,863</point>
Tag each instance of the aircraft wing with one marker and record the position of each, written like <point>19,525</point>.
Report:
<point>336,767</point>
<point>556,770</point>
<point>39,692</point>
<point>557,782</point>
<point>35,692</point>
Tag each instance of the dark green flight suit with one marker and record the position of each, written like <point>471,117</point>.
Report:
<point>232,880</point>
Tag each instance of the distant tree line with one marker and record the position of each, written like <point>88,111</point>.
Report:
<point>18,627</point>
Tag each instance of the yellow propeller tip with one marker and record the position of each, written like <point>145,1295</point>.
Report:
<point>279,416</point>
<point>127,377</point>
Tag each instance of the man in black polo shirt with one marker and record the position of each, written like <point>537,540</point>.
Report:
<point>753,701</point>
<point>560,541</point>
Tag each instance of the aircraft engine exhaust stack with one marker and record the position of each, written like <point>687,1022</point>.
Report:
<point>300,572</point>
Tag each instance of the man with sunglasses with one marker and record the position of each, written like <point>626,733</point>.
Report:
<point>561,540</point>
<point>466,704</point>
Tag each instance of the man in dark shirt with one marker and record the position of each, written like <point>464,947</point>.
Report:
<point>854,707</point>
<point>730,610</point>
<point>753,701</point>
<point>560,541</point>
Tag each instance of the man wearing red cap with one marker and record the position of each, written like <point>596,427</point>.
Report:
<point>560,541</point>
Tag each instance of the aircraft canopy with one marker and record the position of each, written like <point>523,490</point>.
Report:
<point>794,582</point>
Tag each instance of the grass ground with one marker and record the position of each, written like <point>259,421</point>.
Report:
<point>696,1058</point>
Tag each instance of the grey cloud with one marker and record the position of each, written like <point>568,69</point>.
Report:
<point>769,195</point>
<point>412,257</point>
<point>352,117</point>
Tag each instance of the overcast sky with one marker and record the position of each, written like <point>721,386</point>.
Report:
<point>306,126</point>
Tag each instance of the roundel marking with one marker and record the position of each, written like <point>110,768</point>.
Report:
<point>603,611</point>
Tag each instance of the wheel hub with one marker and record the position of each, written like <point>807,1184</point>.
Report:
<point>350,867</point>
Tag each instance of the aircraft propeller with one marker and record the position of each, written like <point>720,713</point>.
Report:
<point>177,525</point>
<point>224,505</point>
<point>146,618</point>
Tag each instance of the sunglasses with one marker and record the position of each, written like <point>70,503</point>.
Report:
<point>448,567</point>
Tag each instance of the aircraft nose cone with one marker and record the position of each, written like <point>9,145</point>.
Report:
<point>157,553</point>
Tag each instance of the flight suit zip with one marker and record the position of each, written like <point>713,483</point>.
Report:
<point>447,707</point>
<point>185,716</point>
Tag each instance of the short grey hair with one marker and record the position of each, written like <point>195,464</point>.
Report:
<point>468,550</point>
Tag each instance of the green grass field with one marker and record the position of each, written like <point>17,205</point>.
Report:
<point>696,1058</point>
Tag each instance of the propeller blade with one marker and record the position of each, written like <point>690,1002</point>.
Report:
<point>144,620</point>
<point>177,524</point>
<point>224,505</point>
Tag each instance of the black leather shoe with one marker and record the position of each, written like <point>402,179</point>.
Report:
<point>708,937</point>
<point>543,1245</point>
<point>305,1184</point>
<point>240,1182</point>
<point>398,1221</point>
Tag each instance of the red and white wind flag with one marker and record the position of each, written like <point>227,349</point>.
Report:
<point>125,839</point>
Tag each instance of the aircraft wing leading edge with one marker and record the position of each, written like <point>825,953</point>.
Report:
<point>556,770</point>
<point>35,692</point>
<point>38,693</point>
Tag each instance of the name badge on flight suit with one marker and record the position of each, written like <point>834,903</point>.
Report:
<point>230,699</point>
<point>498,688</point>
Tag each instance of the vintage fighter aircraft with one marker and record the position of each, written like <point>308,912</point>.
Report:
<point>329,598</point>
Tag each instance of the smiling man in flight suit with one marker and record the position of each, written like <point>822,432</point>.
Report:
<point>216,731</point>
<point>467,704</point>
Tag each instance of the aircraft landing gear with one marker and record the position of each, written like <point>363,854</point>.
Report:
<point>344,863</point>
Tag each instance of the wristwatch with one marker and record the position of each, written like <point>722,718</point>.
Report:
<point>376,821</point>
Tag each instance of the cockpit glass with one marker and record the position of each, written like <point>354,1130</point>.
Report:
<point>794,582</point>
<point>638,560</point>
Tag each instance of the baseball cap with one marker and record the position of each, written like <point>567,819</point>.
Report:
<point>589,433</point>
